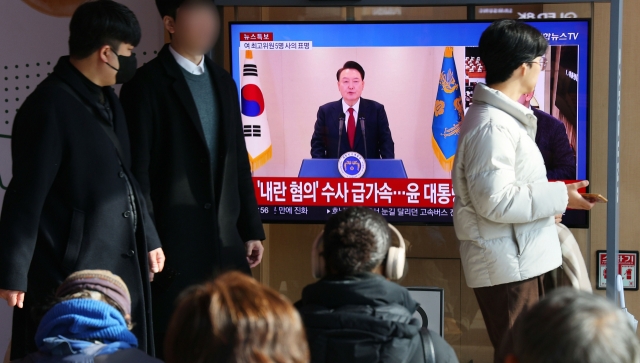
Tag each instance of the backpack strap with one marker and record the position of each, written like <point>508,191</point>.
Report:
<point>425,335</point>
<point>427,346</point>
<point>423,316</point>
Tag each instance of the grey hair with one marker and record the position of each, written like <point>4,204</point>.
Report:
<point>571,326</point>
<point>382,236</point>
<point>355,240</point>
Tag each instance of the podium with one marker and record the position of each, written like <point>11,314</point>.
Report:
<point>376,168</point>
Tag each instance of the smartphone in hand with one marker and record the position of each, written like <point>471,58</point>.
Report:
<point>594,197</point>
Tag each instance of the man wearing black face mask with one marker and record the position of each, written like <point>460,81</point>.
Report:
<point>128,66</point>
<point>73,203</point>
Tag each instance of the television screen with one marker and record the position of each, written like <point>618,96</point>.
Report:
<point>387,139</point>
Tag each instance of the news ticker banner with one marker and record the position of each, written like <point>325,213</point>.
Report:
<point>349,192</point>
<point>316,199</point>
<point>328,192</point>
<point>399,200</point>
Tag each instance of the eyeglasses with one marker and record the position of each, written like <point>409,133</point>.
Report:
<point>542,62</point>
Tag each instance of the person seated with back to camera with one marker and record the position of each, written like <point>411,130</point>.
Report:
<point>235,319</point>
<point>572,326</point>
<point>90,321</point>
<point>353,313</point>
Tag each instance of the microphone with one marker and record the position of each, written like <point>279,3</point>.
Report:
<point>341,122</point>
<point>364,136</point>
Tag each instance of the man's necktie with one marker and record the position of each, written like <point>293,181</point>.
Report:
<point>351,127</point>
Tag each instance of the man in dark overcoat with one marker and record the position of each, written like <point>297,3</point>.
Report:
<point>73,203</point>
<point>190,157</point>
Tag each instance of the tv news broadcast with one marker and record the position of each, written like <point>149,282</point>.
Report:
<point>314,153</point>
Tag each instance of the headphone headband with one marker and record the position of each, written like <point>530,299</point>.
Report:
<point>396,257</point>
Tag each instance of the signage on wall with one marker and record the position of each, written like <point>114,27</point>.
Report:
<point>627,267</point>
<point>520,12</point>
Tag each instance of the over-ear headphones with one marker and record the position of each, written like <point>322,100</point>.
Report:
<point>396,257</point>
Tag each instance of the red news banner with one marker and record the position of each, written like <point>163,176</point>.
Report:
<point>330,192</point>
<point>256,37</point>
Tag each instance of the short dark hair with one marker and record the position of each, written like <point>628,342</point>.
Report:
<point>170,7</point>
<point>351,65</point>
<point>506,44</point>
<point>573,326</point>
<point>355,240</point>
<point>95,24</point>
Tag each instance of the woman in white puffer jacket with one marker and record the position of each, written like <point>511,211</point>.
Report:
<point>505,206</point>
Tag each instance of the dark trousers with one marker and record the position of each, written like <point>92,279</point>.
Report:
<point>502,304</point>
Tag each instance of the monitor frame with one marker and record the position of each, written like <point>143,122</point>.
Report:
<point>585,215</point>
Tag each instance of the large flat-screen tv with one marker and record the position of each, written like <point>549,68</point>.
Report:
<point>311,156</point>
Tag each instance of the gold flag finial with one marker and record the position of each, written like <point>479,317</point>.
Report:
<point>448,52</point>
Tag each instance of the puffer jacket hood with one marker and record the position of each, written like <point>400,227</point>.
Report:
<point>360,319</point>
<point>504,204</point>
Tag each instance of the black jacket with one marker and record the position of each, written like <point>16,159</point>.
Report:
<point>364,319</point>
<point>204,216</point>
<point>67,207</point>
<point>324,142</point>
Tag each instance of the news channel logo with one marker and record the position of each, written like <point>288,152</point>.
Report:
<point>352,165</point>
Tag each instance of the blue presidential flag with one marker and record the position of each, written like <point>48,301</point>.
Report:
<point>448,113</point>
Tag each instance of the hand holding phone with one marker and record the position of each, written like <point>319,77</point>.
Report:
<point>594,197</point>
<point>576,201</point>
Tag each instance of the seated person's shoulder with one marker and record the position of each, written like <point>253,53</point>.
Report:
<point>400,291</point>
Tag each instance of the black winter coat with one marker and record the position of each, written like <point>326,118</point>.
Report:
<point>203,216</point>
<point>67,207</point>
<point>364,319</point>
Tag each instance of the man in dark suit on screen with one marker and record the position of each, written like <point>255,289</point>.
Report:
<point>352,123</point>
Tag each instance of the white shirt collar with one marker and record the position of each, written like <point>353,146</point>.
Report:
<point>188,65</point>
<point>345,107</point>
